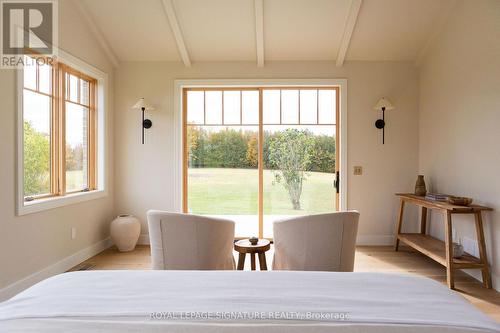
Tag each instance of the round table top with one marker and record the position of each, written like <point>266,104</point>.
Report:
<point>244,246</point>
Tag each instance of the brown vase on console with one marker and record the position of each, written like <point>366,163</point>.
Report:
<point>420,188</point>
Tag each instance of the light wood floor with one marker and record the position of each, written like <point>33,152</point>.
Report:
<point>368,259</point>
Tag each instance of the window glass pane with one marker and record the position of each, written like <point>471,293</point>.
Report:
<point>290,106</point>
<point>232,107</point>
<point>45,79</point>
<point>271,106</point>
<point>76,147</point>
<point>72,87</point>
<point>84,92</point>
<point>213,104</point>
<point>299,170</point>
<point>223,177</point>
<point>327,106</point>
<point>29,72</point>
<point>195,108</point>
<point>308,106</point>
<point>250,107</point>
<point>36,150</point>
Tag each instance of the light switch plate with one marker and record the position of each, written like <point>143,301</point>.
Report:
<point>358,170</point>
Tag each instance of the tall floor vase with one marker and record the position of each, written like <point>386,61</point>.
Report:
<point>125,231</point>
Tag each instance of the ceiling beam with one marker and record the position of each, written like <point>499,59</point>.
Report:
<point>168,6</point>
<point>438,28</point>
<point>259,31</point>
<point>97,33</point>
<point>349,26</point>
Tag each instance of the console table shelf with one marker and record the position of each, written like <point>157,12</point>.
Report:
<point>436,249</point>
<point>440,251</point>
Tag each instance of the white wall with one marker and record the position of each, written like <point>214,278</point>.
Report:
<point>33,242</point>
<point>460,117</point>
<point>144,176</point>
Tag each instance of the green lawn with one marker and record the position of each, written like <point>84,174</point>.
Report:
<point>235,192</point>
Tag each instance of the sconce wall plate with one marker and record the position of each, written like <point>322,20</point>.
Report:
<point>146,123</point>
<point>380,123</point>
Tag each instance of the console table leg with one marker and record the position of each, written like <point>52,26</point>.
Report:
<point>423,221</point>
<point>482,250</point>
<point>449,251</point>
<point>399,223</point>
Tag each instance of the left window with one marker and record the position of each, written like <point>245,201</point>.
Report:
<point>59,130</point>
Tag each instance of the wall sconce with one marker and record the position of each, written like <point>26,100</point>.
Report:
<point>382,104</point>
<point>142,105</point>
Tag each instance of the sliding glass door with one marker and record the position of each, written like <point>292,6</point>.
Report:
<point>221,176</point>
<point>255,155</point>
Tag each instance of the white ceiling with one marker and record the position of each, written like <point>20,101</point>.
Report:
<point>225,30</point>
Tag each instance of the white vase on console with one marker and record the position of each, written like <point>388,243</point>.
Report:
<point>125,231</point>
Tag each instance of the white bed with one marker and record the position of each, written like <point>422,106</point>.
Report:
<point>223,301</point>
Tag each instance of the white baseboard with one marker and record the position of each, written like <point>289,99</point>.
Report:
<point>54,269</point>
<point>143,239</point>
<point>375,240</point>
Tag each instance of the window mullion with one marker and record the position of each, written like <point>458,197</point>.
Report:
<point>62,131</point>
<point>260,165</point>
<point>185,163</point>
<point>91,139</point>
<point>54,186</point>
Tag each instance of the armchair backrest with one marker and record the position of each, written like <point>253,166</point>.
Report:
<point>324,242</point>
<point>190,242</point>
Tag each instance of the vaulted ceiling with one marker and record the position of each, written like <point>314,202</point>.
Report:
<point>264,30</point>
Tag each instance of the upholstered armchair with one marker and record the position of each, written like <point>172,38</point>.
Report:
<point>324,242</point>
<point>190,242</point>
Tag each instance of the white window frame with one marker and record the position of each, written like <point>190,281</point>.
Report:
<point>265,83</point>
<point>29,207</point>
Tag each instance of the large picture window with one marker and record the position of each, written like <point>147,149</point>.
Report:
<point>255,155</point>
<point>59,130</point>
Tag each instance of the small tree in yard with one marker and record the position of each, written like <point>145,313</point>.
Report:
<point>289,153</point>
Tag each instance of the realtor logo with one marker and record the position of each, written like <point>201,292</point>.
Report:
<point>28,27</point>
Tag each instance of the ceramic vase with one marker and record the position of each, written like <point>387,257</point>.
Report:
<point>420,188</point>
<point>458,250</point>
<point>125,231</point>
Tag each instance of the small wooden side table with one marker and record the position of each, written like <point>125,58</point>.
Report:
<point>440,251</point>
<point>243,247</point>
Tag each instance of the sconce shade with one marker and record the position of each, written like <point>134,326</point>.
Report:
<point>384,103</point>
<point>141,103</point>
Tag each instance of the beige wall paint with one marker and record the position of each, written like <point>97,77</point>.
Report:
<point>144,174</point>
<point>460,117</point>
<point>32,242</point>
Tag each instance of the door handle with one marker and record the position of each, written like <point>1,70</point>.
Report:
<point>336,183</point>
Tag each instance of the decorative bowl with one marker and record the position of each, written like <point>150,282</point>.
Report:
<point>253,240</point>
<point>459,201</point>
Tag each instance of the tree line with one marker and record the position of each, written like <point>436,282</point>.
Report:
<point>231,148</point>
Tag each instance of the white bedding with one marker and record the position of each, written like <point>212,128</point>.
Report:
<point>221,301</point>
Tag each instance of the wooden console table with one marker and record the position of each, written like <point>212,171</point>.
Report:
<point>440,251</point>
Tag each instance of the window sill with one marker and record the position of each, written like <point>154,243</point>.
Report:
<point>39,205</point>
